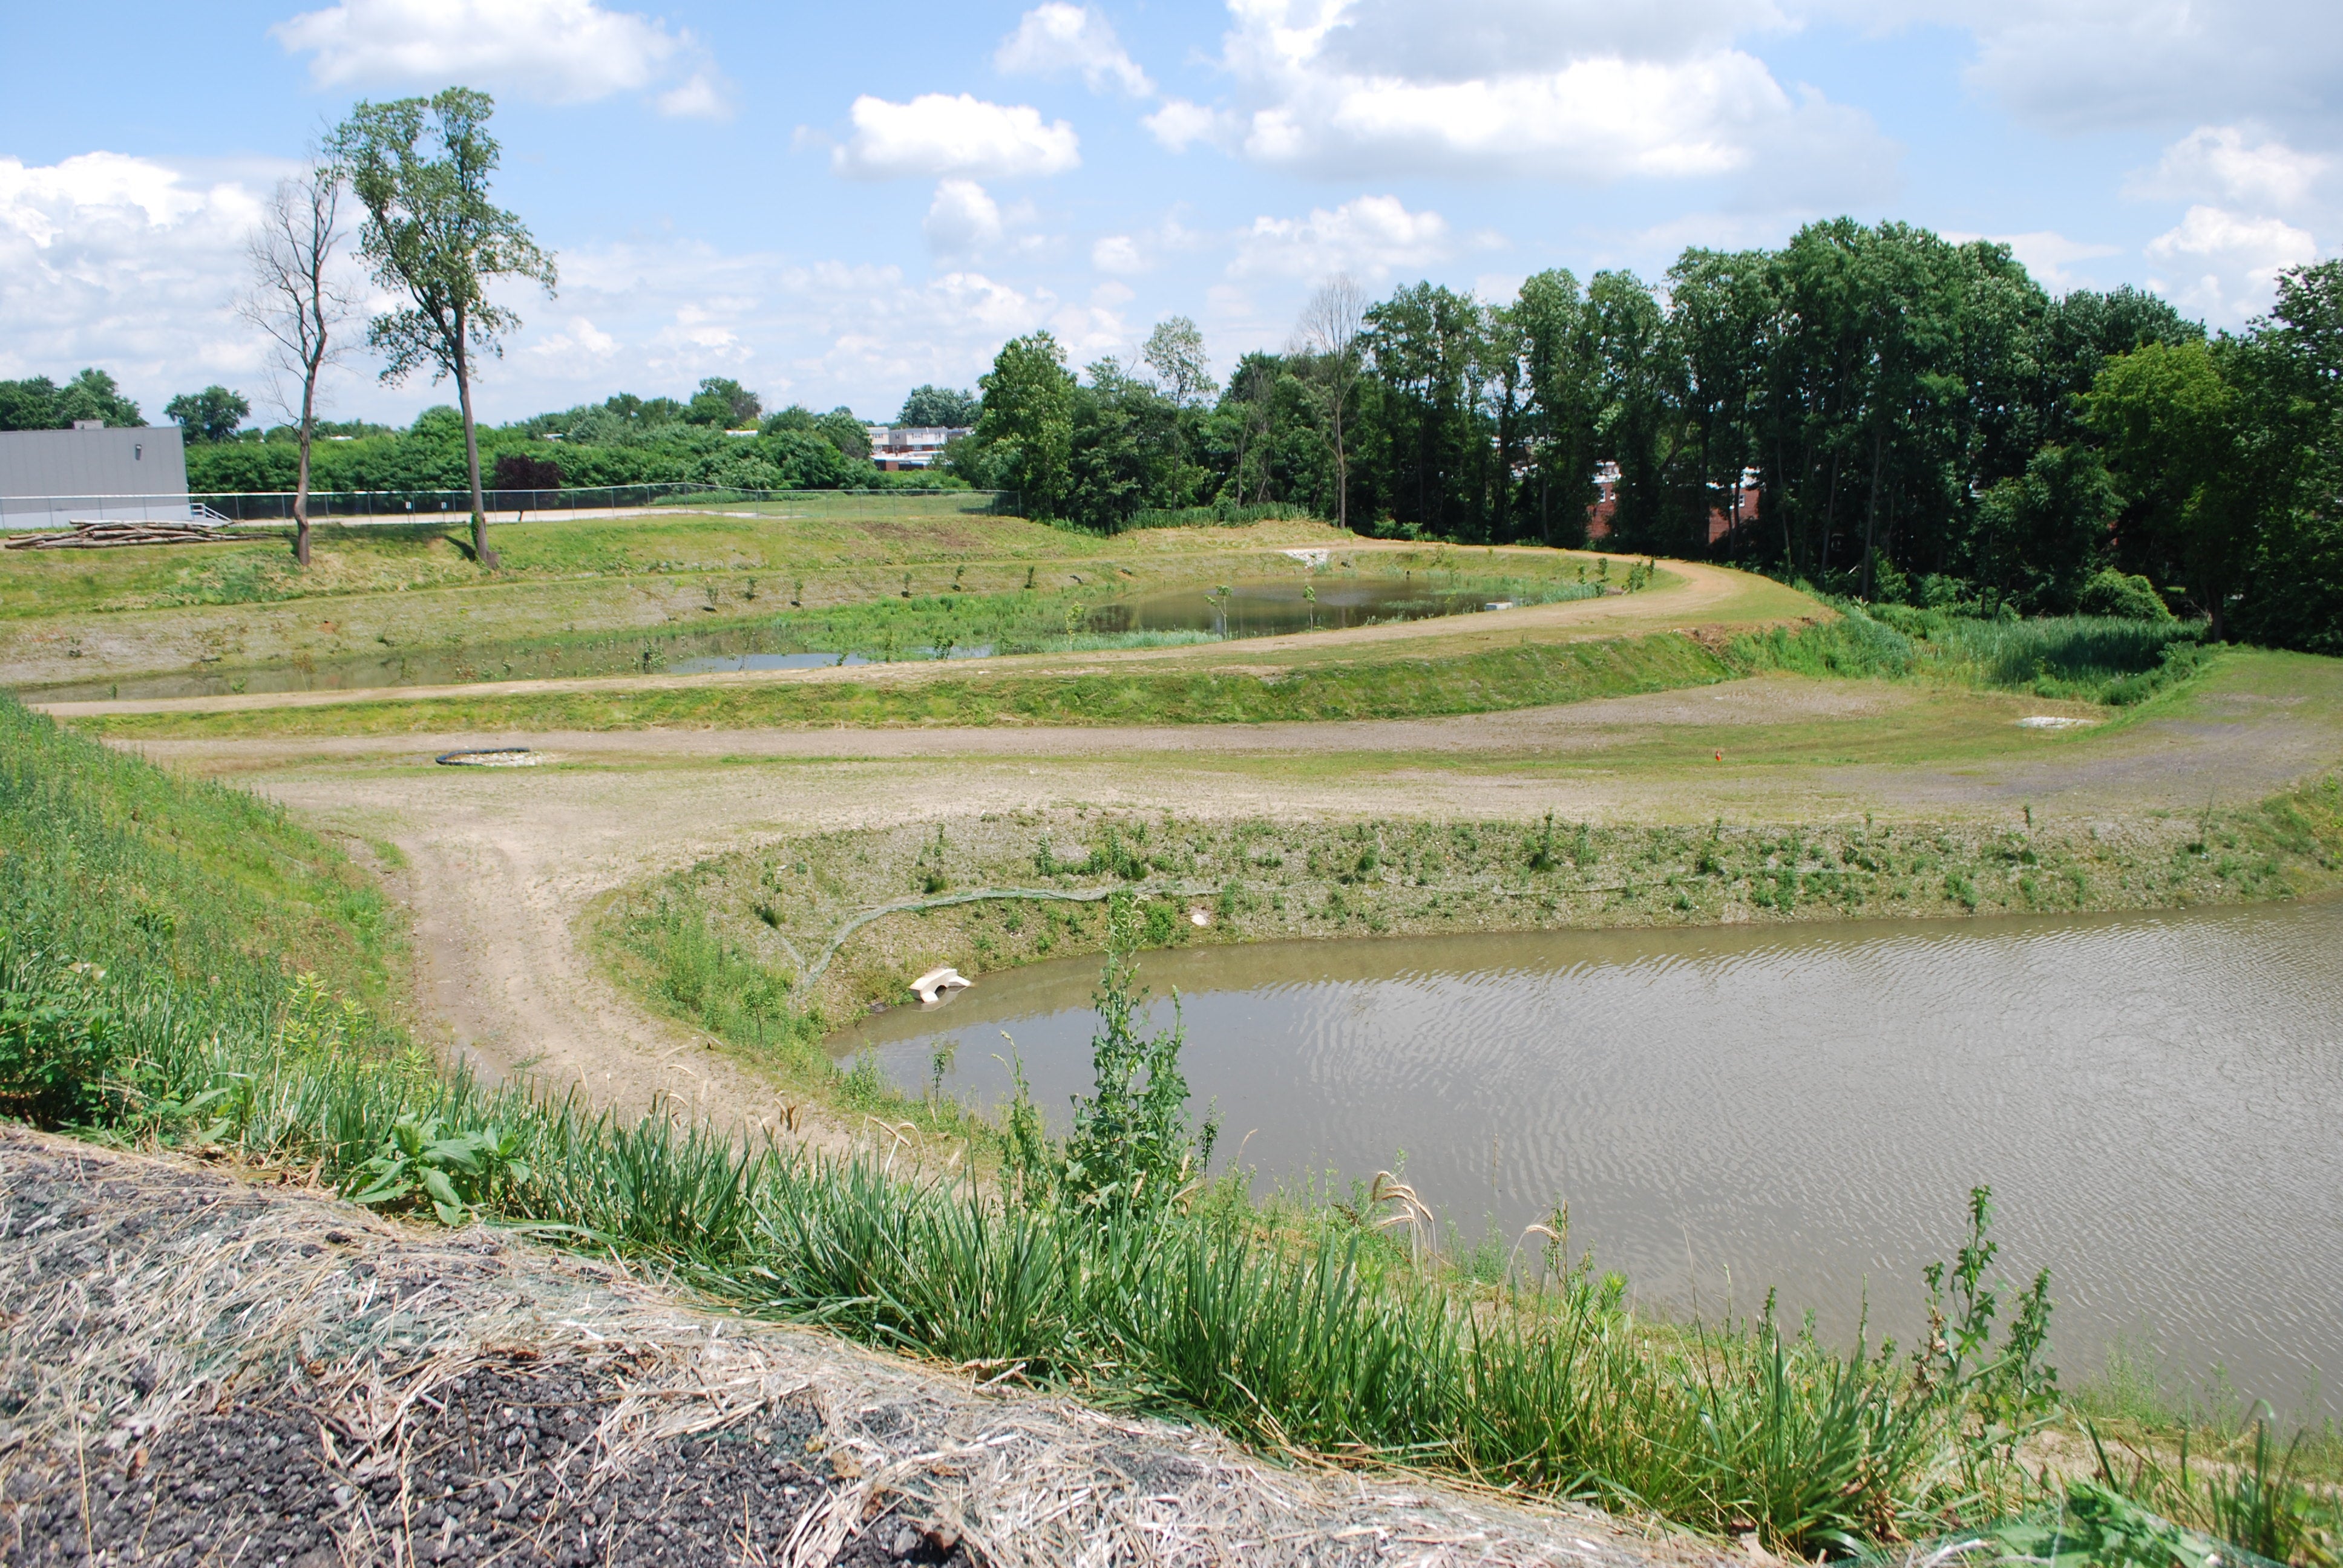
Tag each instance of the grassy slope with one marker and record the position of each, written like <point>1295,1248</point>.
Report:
<point>1523,675</point>
<point>396,558</point>
<point>85,614</point>
<point>102,855</point>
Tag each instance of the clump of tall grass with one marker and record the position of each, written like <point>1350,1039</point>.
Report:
<point>693,970</point>
<point>2244,1503</point>
<point>1219,514</point>
<point>2086,658</point>
<point>1103,641</point>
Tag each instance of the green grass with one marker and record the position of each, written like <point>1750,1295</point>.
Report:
<point>1525,675</point>
<point>1314,1328</point>
<point>1221,515</point>
<point>2076,658</point>
<point>911,626</point>
<point>2081,659</point>
<point>785,542</point>
<point>207,884</point>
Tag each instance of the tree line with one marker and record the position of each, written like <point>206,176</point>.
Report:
<point>1876,410</point>
<point>720,435</point>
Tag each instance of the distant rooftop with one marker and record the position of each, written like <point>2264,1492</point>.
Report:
<point>897,447</point>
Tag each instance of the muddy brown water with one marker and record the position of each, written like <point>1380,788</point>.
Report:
<point>2153,1099</point>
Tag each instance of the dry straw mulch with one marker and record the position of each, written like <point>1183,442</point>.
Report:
<point>201,1365</point>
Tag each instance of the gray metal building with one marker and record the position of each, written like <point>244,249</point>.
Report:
<point>50,478</point>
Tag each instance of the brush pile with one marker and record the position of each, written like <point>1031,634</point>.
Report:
<point>98,536</point>
<point>198,1367</point>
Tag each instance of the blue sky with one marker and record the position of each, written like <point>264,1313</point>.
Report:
<point>832,204</point>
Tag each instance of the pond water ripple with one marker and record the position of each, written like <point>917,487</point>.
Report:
<point>2155,1099</point>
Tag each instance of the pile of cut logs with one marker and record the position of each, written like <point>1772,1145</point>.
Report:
<point>106,536</point>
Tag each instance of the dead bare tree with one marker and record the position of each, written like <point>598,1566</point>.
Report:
<point>1328,333</point>
<point>298,299</point>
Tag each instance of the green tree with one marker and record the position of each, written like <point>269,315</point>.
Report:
<point>1562,373</point>
<point>941,408</point>
<point>2039,536</point>
<point>92,395</point>
<point>1722,312</point>
<point>1175,352</point>
<point>1028,423</point>
<point>2170,421</point>
<point>28,404</point>
<point>723,403</point>
<point>1430,350</point>
<point>422,167</point>
<point>844,429</point>
<point>2291,373</point>
<point>1641,397</point>
<point>1330,358</point>
<point>210,415</point>
<point>1125,449</point>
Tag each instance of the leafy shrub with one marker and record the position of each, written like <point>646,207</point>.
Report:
<point>2123,596</point>
<point>59,1035</point>
<point>454,1172</point>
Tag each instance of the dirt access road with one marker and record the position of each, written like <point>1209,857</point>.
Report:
<point>1689,595</point>
<point>501,865</point>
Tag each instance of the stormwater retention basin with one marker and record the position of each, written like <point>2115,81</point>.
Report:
<point>2154,1100</point>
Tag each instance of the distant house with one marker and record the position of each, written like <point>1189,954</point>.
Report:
<point>50,478</point>
<point>895,447</point>
<point>1729,507</point>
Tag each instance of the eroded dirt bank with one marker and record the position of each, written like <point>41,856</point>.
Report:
<point>199,1365</point>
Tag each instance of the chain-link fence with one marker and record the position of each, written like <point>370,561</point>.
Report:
<point>501,506</point>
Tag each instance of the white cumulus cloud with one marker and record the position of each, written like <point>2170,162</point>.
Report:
<point>579,339</point>
<point>2218,163</point>
<point>1118,252</point>
<point>1056,38</point>
<point>2224,265</point>
<point>935,135</point>
<point>1559,89</point>
<point>1179,124</point>
<point>555,51</point>
<point>2082,65</point>
<point>129,265</point>
<point>1129,254</point>
<point>962,219</point>
<point>1372,237</point>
